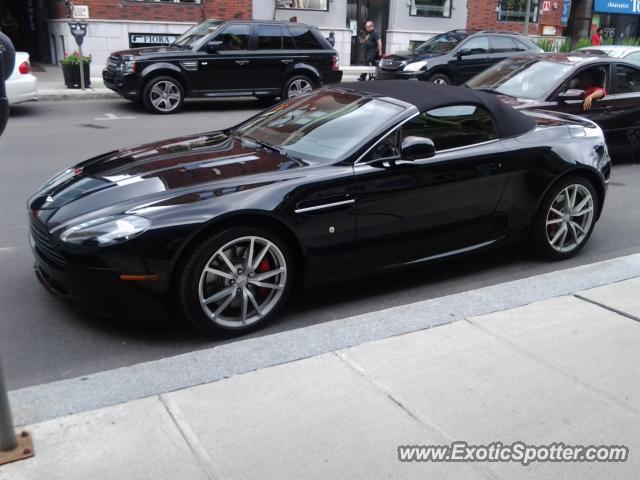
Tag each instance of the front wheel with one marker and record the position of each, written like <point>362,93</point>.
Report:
<point>296,86</point>
<point>439,79</point>
<point>565,219</point>
<point>163,95</point>
<point>236,281</point>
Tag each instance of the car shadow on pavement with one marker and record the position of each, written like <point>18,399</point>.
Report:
<point>206,105</point>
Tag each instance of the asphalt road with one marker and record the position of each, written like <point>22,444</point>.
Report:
<point>43,340</point>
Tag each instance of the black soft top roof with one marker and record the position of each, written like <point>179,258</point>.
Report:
<point>427,96</point>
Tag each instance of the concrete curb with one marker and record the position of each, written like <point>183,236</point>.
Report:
<point>43,402</point>
<point>54,95</point>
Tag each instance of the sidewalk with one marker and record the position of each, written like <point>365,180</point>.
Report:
<point>561,369</point>
<point>51,84</point>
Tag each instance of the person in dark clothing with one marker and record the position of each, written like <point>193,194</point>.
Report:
<point>372,46</point>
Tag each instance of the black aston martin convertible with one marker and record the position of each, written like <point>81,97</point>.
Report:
<point>342,182</point>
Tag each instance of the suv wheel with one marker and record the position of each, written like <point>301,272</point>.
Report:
<point>163,95</point>
<point>439,79</point>
<point>236,281</point>
<point>296,86</point>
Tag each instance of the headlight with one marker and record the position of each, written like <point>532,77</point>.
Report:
<point>415,66</point>
<point>127,65</point>
<point>105,231</point>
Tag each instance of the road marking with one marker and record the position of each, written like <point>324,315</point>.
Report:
<point>113,116</point>
<point>6,249</point>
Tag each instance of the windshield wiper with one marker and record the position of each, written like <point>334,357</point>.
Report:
<point>495,92</point>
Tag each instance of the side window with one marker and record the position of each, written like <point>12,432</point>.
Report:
<point>589,78</point>
<point>235,37</point>
<point>387,147</point>
<point>503,44</point>
<point>627,79</point>
<point>634,57</point>
<point>476,46</point>
<point>304,38</point>
<point>453,127</point>
<point>269,37</point>
<point>287,39</point>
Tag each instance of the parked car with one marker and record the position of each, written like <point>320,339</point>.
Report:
<point>551,81</point>
<point>454,57</point>
<point>338,183</point>
<point>627,52</point>
<point>215,59</point>
<point>22,85</point>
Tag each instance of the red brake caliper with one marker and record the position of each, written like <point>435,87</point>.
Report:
<point>264,266</point>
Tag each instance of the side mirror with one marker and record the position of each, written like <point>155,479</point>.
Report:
<point>460,54</point>
<point>416,148</point>
<point>572,94</point>
<point>213,45</point>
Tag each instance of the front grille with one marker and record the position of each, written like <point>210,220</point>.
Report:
<point>391,64</point>
<point>44,244</point>
<point>112,63</point>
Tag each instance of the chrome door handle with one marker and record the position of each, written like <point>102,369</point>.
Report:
<point>242,62</point>
<point>287,61</point>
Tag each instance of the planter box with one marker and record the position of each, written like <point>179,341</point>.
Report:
<point>71,73</point>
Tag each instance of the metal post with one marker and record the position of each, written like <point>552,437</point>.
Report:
<point>7,432</point>
<point>527,13</point>
<point>81,67</point>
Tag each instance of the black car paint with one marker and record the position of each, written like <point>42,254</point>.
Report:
<point>386,216</point>
<point>205,74</point>
<point>457,67</point>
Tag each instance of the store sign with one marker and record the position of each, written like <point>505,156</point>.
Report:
<point>151,39</point>
<point>566,12</point>
<point>629,7</point>
<point>546,6</point>
<point>80,11</point>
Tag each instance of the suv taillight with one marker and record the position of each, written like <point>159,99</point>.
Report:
<point>336,63</point>
<point>24,68</point>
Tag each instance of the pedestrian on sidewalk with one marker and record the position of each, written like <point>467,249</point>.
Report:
<point>372,45</point>
<point>596,38</point>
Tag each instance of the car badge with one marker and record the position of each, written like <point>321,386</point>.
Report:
<point>49,199</point>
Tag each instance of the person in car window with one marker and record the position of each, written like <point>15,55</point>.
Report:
<point>593,87</point>
<point>372,46</point>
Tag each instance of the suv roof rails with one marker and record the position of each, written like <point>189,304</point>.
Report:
<point>501,32</point>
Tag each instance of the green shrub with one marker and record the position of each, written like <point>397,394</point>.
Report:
<point>74,59</point>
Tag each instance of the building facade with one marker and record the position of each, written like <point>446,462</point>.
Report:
<point>400,23</point>
<point>620,19</point>
<point>545,17</point>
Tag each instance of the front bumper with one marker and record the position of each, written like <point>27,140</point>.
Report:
<point>129,85</point>
<point>396,75</point>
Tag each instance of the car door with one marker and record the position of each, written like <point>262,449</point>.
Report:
<point>413,210</point>
<point>471,58</point>
<point>227,68</point>
<point>274,53</point>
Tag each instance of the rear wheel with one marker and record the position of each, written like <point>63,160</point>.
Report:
<point>163,95</point>
<point>236,281</point>
<point>565,220</point>
<point>439,79</point>
<point>296,86</point>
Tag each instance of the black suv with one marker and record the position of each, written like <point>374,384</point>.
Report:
<point>217,59</point>
<point>454,57</point>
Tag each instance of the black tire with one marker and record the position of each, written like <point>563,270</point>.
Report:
<point>163,83</point>
<point>8,56</point>
<point>302,79</point>
<point>540,233</point>
<point>439,78</point>
<point>188,283</point>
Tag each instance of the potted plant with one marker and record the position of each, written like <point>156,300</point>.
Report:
<point>71,70</point>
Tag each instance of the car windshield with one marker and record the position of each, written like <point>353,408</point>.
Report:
<point>528,78</point>
<point>440,44</point>
<point>196,33</point>
<point>325,126</point>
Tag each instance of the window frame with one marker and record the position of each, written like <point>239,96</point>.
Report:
<point>434,16</point>
<point>252,36</point>
<point>299,9</point>
<point>534,17</point>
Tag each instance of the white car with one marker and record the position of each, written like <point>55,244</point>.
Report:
<point>628,52</point>
<point>22,85</point>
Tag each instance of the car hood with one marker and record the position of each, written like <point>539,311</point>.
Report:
<point>216,163</point>
<point>411,56</point>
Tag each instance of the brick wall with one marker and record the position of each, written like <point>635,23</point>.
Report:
<point>133,10</point>
<point>482,15</point>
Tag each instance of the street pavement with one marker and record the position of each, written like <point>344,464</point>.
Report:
<point>43,340</point>
<point>560,370</point>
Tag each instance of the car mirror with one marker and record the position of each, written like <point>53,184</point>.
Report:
<point>213,45</point>
<point>572,94</point>
<point>461,53</point>
<point>416,148</point>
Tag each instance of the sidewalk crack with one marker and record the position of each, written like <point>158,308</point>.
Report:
<point>190,437</point>
<point>607,307</point>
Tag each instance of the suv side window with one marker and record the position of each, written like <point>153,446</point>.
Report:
<point>269,37</point>
<point>235,37</point>
<point>305,39</point>
<point>287,39</point>
<point>503,44</point>
<point>627,79</point>
<point>453,127</point>
<point>476,46</point>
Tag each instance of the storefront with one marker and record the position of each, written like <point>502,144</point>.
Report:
<point>620,19</point>
<point>24,21</point>
<point>400,23</point>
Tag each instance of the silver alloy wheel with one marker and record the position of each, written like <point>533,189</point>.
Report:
<point>440,81</point>
<point>569,218</point>
<point>299,87</point>
<point>242,282</point>
<point>165,96</point>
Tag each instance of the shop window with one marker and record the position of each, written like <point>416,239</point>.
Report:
<point>430,8</point>
<point>303,4</point>
<point>515,11</point>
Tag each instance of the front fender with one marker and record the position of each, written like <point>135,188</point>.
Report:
<point>165,68</point>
